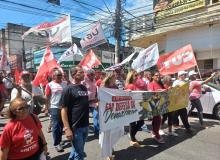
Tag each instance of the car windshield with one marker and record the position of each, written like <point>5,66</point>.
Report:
<point>213,85</point>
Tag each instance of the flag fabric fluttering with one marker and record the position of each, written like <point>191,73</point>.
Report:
<point>94,38</point>
<point>4,64</point>
<point>16,75</point>
<point>176,61</point>
<point>126,60</point>
<point>56,32</point>
<point>70,52</point>
<point>44,76</point>
<point>89,61</point>
<point>47,64</point>
<point>60,68</point>
<point>146,58</point>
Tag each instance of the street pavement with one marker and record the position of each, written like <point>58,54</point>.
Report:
<point>200,145</point>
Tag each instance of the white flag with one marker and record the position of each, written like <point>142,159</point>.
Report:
<point>4,65</point>
<point>146,58</point>
<point>122,63</point>
<point>70,52</point>
<point>94,38</point>
<point>56,32</point>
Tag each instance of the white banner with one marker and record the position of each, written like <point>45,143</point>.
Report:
<point>70,52</point>
<point>94,38</point>
<point>122,63</point>
<point>118,107</point>
<point>146,58</point>
<point>56,32</point>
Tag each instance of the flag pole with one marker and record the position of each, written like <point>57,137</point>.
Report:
<point>199,72</point>
<point>102,66</point>
<point>111,52</point>
<point>125,65</point>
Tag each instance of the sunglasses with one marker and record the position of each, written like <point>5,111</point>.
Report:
<point>136,75</point>
<point>23,108</point>
<point>92,74</point>
<point>59,75</point>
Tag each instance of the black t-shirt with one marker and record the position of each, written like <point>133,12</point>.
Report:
<point>217,79</point>
<point>75,98</point>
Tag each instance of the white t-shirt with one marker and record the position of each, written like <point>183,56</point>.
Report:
<point>7,83</point>
<point>55,89</point>
<point>27,97</point>
<point>177,82</point>
<point>146,81</point>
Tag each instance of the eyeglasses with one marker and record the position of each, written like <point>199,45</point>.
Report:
<point>157,75</point>
<point>136,75</point>
<point>23,108</point>
<point>59,75</point>
<point>92,74</point>
<point>81,72</point>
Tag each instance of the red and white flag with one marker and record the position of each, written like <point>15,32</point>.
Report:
<point>47,64</point>
<point>89,61</point>
<point>94,38</point>
<point>44,76</point>
<point>16,75</point>
<point>60,68</point>
<point>56,32</point>
<point>176,61</point>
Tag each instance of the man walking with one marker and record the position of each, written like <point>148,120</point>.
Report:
<point>89,83</point>
<point>53,95</point>
<point>119,81</point>
<point>8,84</point>
<point>74,99</point>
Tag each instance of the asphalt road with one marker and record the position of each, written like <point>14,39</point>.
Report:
<point>200,145</point>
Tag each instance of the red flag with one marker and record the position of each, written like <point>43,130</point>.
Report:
<point>17,75</point>
<point>60,68</point>
<point>89,61</point>
<point>44,76</point>
<point>47,64</point>
<point>176,61</point>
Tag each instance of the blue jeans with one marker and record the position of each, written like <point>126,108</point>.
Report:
<point>79,139</point>
<point>95,119</point>
<point>57,125</point>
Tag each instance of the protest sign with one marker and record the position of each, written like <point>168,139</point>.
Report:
<point>118,107</point>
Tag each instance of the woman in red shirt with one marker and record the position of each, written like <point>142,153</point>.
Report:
<point>19,139</point>
<point>134,126</point>
<point>156,85</point>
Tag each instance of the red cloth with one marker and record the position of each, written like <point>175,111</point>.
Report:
<point>142,85</point>
<point>98,82</point>
<point>2,87</point>
<point>133,87</point>
<point>21,137</point>
<point>165,86</point>
<point>17,75</point>
<point>45,83</point>
<point>154,86</point>
<point>176,61</point>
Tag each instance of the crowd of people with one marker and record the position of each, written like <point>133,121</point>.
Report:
<point>67,104</point>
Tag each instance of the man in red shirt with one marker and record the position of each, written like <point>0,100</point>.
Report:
<point>97,75</point>
<point>99,82</point>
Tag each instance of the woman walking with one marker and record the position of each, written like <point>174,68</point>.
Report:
<point>19,139</point>
<point>131,85</point>
<point>105,139</point>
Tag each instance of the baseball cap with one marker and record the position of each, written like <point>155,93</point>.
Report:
<point>117,68</point>
<point>192,73</point>
<point>24,72</point>
<point>181,73</point>
<point>97,71</point>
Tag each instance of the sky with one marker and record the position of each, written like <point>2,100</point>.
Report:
<point>31,17</point>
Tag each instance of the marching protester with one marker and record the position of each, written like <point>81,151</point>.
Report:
<point>99,81</point>
<point>182,112</point>
<point>143,87</point>
<point>37,94</point>
<point>74,99</point>
<point>131,85</point>
<point>167,86</point>
<point>120,82</point>
<point>147,77</point>
<point>195,94</point>
<point>65,78</point>
<point>105,140</point>
<point>89,83</point>
<point>217,79</point>
<point>8,84</point>
<point>19,139</point>
<point>2,102</point>
<point>53,95</point>
<point>156,85</point>
<point>97,75</point>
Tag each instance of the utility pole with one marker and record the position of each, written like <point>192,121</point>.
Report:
<point>117,31</point>
<point>23,51</point>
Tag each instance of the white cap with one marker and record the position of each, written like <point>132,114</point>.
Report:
<point>181,73</point>
<point>8,72</point>
<point>192,73</point>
